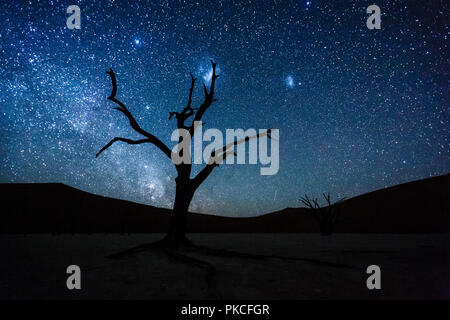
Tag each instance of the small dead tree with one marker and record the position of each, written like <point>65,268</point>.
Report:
<point>186,185</point>
<point>326,217</point>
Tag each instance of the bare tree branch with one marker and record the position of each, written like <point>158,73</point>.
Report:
<point>248,138</point>
<point>313,205</point>
<point>129,141</point>
<point>327,217</point>
<point>191,90</point>
<point>188,111</point>
<point>208,100</point>
<point>218,156</point>
<point>133,123</point>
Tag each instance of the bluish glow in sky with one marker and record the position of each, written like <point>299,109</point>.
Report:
<point>290,81</point>
<point>364,109</point>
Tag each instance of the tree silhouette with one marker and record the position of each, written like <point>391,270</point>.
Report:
<point>326,217</point>
<point>185,185</point>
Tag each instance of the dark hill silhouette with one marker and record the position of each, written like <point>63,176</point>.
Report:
<point>416,207</point>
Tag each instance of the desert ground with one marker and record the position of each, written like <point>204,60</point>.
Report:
<point>290,266</point>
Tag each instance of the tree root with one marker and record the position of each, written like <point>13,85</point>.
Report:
<point>166,243</point>
<point>140,248</point>
<point>166,246</point>
<point>230,253</point>
<point>210,270</point>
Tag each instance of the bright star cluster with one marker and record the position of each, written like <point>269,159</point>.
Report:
<point>357,109</point>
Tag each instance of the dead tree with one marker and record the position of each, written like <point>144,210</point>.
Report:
<point>326,217</point>
<point>186,185</point>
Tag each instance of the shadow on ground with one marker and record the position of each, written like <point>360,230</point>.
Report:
<point>413,266</point>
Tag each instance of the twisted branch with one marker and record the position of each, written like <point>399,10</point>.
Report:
<point>129,141</point>
<point>133,123</point>
<point>218,156</point>
<point>188,111</point>
<point>208,100</point>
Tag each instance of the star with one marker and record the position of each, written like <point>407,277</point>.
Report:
<point>356,111</point>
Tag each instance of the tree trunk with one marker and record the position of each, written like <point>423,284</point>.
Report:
<point>177,229</point>
<point>326,228</point>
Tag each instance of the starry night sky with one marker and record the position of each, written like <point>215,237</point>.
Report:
<point>357,109</point>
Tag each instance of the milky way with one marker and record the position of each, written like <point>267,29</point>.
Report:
<point>357,109</point>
